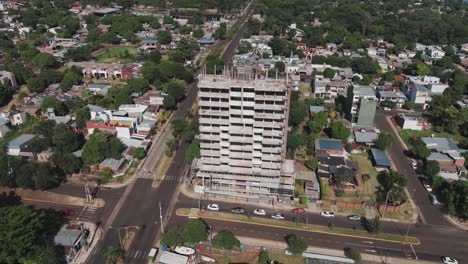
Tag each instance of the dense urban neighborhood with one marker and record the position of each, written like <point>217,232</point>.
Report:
<point>242,131</point>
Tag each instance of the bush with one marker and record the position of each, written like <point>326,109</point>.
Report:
<point>296,245</point>
<point>225,239</point>
<point>373,226</point>
<point>352,254</point>
<point>139,153</point>
<point>263,258</point>
<point>303,200</point>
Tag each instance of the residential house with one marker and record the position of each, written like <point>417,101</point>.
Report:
<point>320,87</point>
<point>448,155</point>
<point>16,118</point>
<point>72,238</point>
<point>365,137</point>
<point>411,122</point>
<point>98,88</point>
<point>113,164</point>
<point>380,159</point>
<point>361,103</point>
<point>419,95</point>
<point>4,127</point>
<point>394,97</point>
<point>8,78</point>
<point>19,145</point>
<point>134,110</point>
<point>107,70</point>
<point>333,147</point>
<point>149,44</point>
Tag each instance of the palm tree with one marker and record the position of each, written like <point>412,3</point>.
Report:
<point>365,177</point>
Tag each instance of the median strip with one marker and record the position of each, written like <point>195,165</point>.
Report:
<point>298,226</point>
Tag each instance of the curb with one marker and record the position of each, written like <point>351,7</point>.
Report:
<point>304,230</point>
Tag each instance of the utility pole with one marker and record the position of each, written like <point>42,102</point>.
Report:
<point>161,217</point>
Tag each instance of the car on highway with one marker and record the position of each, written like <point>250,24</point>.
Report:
<point>327,214</point>
<point>238,210</point>
<point>259,212</point>
<point>354,217</point>
<point>213,207</point>
<point>298,211</point>
<point>427,187</point>
<point>277,216</point>
<point>449,260</point>
<point>66,212</point>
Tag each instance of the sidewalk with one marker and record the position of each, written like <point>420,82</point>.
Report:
<point>50,197</point>
<point>326,251</point>
<point>95,235</point>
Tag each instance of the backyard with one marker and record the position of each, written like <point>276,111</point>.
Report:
<point>406,134</point>
<point>116,54</point>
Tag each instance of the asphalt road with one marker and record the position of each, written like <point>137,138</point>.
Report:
<point>429,213</point>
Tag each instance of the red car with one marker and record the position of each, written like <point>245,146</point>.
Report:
<point>66,212</point>
<point>298,211</point>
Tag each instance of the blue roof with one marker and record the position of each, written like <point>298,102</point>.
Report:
<point>380,157</point>
<point>329,144</point>
<point>205,41</point>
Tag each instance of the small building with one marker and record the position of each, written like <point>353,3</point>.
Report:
<point>329,147</point>
<point>70,237</point>
<point>8,78</point>
<point>314,109</point>
<point>19,144</point>
<point>411,122</point>
<point>149,44</point>
<point>380,159</point>
<point>364,137</point>
<point>113,164</point>
<point>4,127</point>
<point>172,258</point>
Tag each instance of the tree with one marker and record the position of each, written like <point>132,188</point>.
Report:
<point>421,152</point>
<point>373,226</point>
<point>294,141</point>
<point>213,62</point>
<point>139,153</point>
<point>6,93</point>
<point>165,37</point>
<point>263,258</point>
<point>221,31</point>
<point>193,151</point>
<point>198,33</point>
<point>244,47</point>
<point>52,102</point>
<point>329,73</point>
<point>138,85</point>
<point>99,146</point>
<point>339,131</point>
<point>71,78</point>
<point>296,245</point>
<point>168,20</point>
<point>113,255</point>
<point>225,239</point>
<point>176,89</point>
<point>27,233</point>
<point>423,69</point>
<point>391,189</point>
<point>169,102</point>
<point>44,60</point>
<point>365,177</point>
<point>383,141</point>
<point>195,231</point>
<point>67,162</point>
<point>353,254</point>
<point>409,105</point>
<point>82,116</point>
<point>312,163</point>
<point>36,84</point>
<point>65,140</point>
<point>279,65</point>
<point>174,237</point>
<point>432,168</point>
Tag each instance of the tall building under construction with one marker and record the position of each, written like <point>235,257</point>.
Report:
<point>243,132</point>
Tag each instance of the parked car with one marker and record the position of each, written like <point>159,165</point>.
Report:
<point>414,165</point>
<point>387,109</point>
<point>238,210</point>
<point>449,260</point>
<point>354,217</point>
<point>277,216</point>
<point>298,211</point>
<point>327,214</point>
<point>434,200</point>
<point>427,187</point>
<point>66,212</point>
<point>259,212</point>
<point>213,207</point>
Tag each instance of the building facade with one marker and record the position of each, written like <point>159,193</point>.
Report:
<point>243,129</point>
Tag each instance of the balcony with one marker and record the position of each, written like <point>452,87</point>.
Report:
<point>213,95</point>
<point>212,103</point>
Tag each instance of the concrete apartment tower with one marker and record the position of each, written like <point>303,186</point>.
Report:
<point>243,130</point>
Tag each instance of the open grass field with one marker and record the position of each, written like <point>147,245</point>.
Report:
<point>117,54</point>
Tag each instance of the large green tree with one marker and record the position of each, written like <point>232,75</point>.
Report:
<point>340,131</point>
<point>225,239</point>
<point>296,245</point>
<point>99,146</point>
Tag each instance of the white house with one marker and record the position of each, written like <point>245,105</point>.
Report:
<point>411,122</point>
<point>19,144</point>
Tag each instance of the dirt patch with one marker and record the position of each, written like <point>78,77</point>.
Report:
<point>235,255</point>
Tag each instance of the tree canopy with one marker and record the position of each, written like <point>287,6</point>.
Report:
<point>296,245</point>
<point>99,146</point>
<point>225,239</point>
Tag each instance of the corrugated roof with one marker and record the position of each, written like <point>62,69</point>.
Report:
<point>440,144</point>
<point>316,108</point>
<point>24,138</point>
<point>380,157</point>
<point>365,137</point>
<point>439,157</point>
<point>172,258</point>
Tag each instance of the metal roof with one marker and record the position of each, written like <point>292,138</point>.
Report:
<point>380,157</point>
<point>172,258</point>
<point>440,144</point>
<point>17,142</point>
<point>365,137</point>
<point>439,157</point>
<point>316,108</point>
<point>112,163</point>
<point>67,237</point>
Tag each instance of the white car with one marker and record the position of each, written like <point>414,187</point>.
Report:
<point>449,260</point>
<point>259,212</point>
<point>387,109</point>
<point>428,187</point>
<point>277,216</point>
<point>414,165</point>
<point>213,207</point>
<point>354,217</point>
<point>327,214</point>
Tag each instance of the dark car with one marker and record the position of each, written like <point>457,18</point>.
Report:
<point>238,210</point>
<point>298,211</point>
<point>66,212</point>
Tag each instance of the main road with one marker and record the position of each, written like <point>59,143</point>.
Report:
<point>139,208</point>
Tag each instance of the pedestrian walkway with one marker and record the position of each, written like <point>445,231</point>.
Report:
<point>95,235</point>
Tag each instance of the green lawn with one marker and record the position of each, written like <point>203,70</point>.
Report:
<point>114,54</point>
<point>366,167</point>
<point>281,258</point>
<point>406,134</point>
